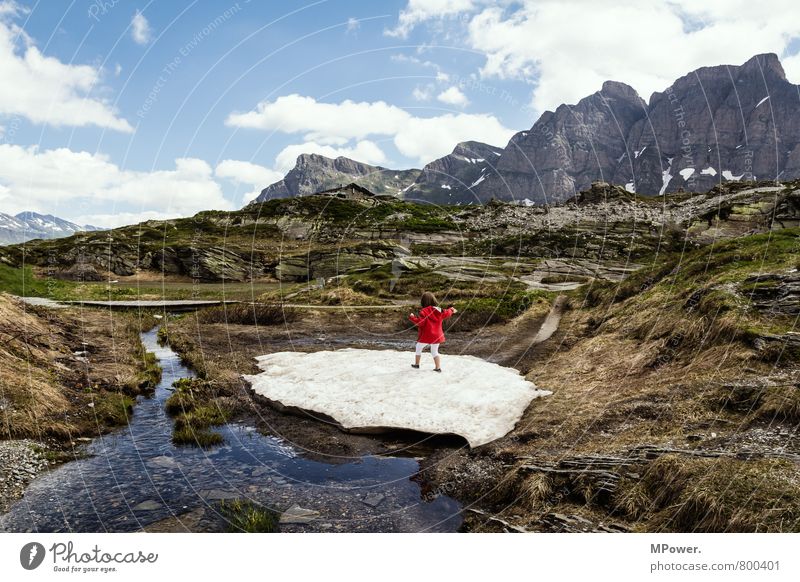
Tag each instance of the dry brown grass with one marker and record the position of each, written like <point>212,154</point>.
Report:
<point>46,390</point>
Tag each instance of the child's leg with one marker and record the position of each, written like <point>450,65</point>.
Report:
<point>418,353</point>
<point>436,359</point>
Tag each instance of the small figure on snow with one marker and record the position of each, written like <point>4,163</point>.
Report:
<point>429,324</point>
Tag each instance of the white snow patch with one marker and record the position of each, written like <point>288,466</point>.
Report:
<point>639,153</point>
<point>370,389</point>
<point>665,178</point>
<point>478,181</point>
<point>527,202</point>
<point>496,153</point>
<point>630,187</point>
<point>728,175</point>
<point>446,186</point>
<point>737,147</point>
<point>686,173</point>
<point>709,171</point>
<point>760,102</point>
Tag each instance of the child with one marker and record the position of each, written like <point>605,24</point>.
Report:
<point>429,323</point>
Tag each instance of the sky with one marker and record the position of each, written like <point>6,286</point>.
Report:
<point>118,111</point>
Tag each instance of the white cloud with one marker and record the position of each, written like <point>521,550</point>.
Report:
<point>295,114</point>
<point>140,29</point>
<point>453,96</point>
<point>45,90</point>
<point>327,123</point>
<point>546,42</point>
<point>422,93</point>
<point>792,67</point>
<point>123,218</point>
<point>364,151</point>
<point>426,139</point>
<point>418,11</point>
<point>353,24</point>
<point>248,174</point>
<point>46,179</point>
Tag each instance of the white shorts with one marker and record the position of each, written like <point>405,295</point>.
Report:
<point>434,349</point>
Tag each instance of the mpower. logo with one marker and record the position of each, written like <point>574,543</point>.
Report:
<point>31,555</point>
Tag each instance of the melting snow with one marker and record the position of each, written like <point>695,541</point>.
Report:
<point>729,176</point>
<point>371,389</point>
<point>630,187</point>
<point>686,173</point>
<point>665,178</point>
<point>446,186</point>
<point>709,171</point>
<point>478,181</point>
<point>496,153</point>
<point>639,153</point>
<point>760,102</point>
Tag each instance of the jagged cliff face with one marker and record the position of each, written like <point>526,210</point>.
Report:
<point>314,173</point>
<point>716,124</point>
<point>452,179</point>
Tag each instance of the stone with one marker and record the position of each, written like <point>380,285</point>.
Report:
<point>374,499</point>
<point>298,515</point>
<point>149,505</point>
<point>218,494</point>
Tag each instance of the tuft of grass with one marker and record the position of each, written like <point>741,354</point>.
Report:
<point>681,494</point>
<point>113,408</point>
<point>150,374</point>
<point>482,311</point>
<point>202,438</point>
<point>248,314</point>
<point>248,517</point>
<point>781,402</point>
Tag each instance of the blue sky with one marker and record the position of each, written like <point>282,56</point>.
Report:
<point>113,111</point>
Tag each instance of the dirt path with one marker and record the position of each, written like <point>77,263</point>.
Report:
<point>521,344</point>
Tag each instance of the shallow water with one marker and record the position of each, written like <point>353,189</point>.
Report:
<point>135,477</point>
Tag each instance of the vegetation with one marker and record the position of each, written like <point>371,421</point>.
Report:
<point>478,312</point>
<point>248,314</point>
<point>248,517</point>
<point>683,494</point>
<point>196,409</point>
<point>22,282</point>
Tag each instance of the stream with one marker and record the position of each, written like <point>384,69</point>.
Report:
<point>135,477</point>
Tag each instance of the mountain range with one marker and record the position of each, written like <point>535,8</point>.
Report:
<point>28,225</point>
<point>715,124</point>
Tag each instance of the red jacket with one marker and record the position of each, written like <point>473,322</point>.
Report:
<point>429,323</point>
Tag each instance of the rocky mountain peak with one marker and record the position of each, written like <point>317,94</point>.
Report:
<point>767,63</point>
<point>615,89</point>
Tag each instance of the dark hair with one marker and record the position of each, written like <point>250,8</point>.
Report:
<point>428,299</point>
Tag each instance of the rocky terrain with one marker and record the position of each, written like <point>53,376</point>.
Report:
<point>450,179</point>
<point>26,226</point>
<point>313,173</point>
<point>714,125</point>
<point>323,236</point>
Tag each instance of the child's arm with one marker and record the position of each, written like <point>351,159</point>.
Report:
<point>414,319</point>
<point>448,312</point>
